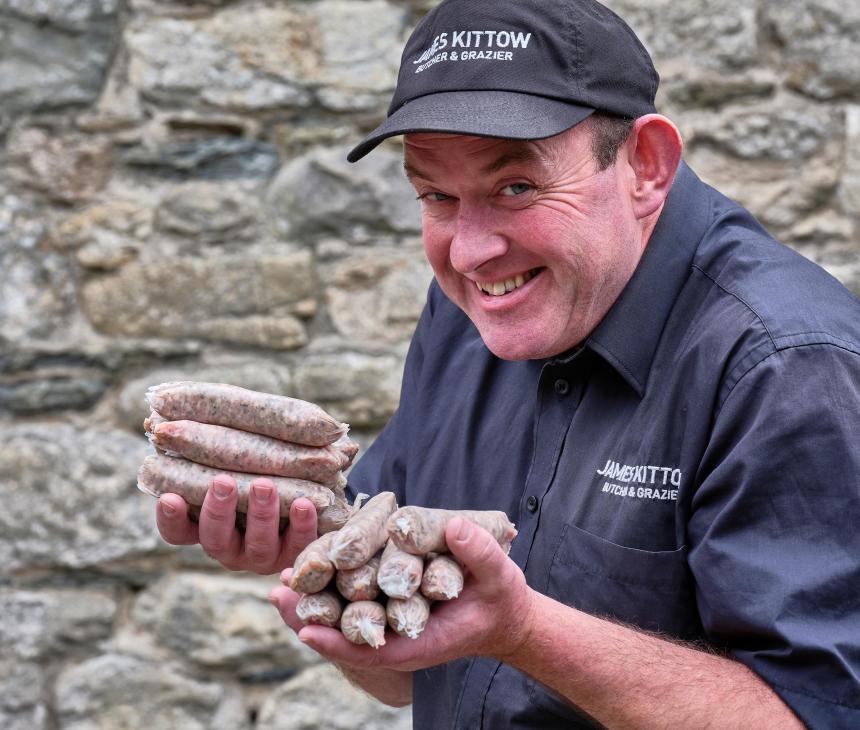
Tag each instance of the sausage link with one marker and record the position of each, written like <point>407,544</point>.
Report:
<point>363,622</point>
<point>364,534</point>
<point>408,616</point>
<point>323,608</point>
<point>359,584</point>
<point>223,447</point>
<point>443,578</point>
<point>313,568</point>
<point>399,572</point>
<point>279,416</point>
<point>159,474</point>
<point>421,530</point>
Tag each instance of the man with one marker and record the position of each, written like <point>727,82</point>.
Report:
<point>661,397</point>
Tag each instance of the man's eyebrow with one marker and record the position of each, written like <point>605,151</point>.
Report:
<point>512,156</point>
<point>412,172</point>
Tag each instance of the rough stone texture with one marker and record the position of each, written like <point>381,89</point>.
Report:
<point>818,42</point>
<point>322,192</point>
<point>21,688</point>
<point>377,294</point>
<point>361,390</point>
<point>54,53</point>
<point>41,624</point>
<point>68,169</point>
<point>175,204</point>
<point>116,691</point>
<point>243,299</point>
<point>321,697</point>
<point>221,622</point>
<point>69,497</point>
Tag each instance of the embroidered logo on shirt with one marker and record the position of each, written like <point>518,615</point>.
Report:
<point>640,481</point>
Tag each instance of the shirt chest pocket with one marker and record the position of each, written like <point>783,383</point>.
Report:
<point>650,590</point>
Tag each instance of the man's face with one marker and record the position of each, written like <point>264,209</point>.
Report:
<point>529,239</point>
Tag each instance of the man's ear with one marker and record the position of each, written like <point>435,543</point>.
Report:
<point>654,153</point>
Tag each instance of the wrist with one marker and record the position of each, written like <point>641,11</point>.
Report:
<point>516,636</point>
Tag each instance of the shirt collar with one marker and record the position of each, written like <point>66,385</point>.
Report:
<point>628,335</point>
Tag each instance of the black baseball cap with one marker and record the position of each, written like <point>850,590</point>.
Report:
<point>516,69</point>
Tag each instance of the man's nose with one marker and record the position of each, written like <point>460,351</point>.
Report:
<point>477,241</point>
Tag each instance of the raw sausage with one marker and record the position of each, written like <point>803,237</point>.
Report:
<point>312,568</point>
<point>279,416</point>
<point>363,622</point>
<point>408,616</point>
<point>222,447</point>
<point>443,578</point>
<point>364,534</point>
<point>159,474</point>
<point>399,572</point>
<point>322,608</point>
<point>359,584</point>
<point>421,530</point>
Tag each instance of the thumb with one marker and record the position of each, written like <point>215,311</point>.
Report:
<point>476,549</point>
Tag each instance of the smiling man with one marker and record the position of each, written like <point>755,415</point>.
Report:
<point>664,399</point>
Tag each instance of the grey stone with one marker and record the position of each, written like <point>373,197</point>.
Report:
<point>783,133</point>
<point>246,298</point>
<point>41,624</point>
<point>320,192</point>
<point>321,698</point>
<point>40,392</point>
<point>21,689</point>
<point>209,212</point>
<point>38,294</point>
<point>258,374</point>
<point>177,61</point>
<point>221,621</point>
<point>54,53</point>
<point>66,168</point>
<point>316,45</point>
<point>707,35</point>
<point>69,496</point>
<point>362,390</point>
<point>117,691</point>
<point>817,41</point>
<point>207,159</point>
<point>22,224</point>
<point>686,87</point>
<point>377,294</point>
<point>849,187</point>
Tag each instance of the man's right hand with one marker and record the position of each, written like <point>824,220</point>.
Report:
<point>261,549</point>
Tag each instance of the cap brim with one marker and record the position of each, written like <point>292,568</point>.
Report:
<point>504,114</point>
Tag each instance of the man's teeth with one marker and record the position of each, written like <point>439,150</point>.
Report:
<point>497,288</point>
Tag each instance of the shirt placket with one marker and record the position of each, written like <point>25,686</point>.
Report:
<point>559,392</point>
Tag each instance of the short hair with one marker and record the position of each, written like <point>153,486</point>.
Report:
<point>608,135</point>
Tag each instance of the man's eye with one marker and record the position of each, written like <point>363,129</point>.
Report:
<point>515,189</point>
<point>434,197</point>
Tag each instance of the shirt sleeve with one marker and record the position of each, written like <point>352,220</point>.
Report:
<point>774,532</point>
<point>383,467</point>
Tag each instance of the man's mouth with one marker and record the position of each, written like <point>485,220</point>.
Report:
<point>505,286</point>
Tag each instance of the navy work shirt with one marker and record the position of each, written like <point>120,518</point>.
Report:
<point>692,469</point>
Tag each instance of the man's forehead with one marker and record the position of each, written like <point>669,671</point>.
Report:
<point>422,149</point>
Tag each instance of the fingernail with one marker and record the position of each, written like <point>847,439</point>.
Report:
<point>222,490</point>
<point>465,530</point>
<point>303,512</point>
<point>167,508</point>
<point>262,493</point>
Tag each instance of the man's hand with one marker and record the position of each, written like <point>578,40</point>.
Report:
<point>486,619</point>
<point>261,549</point>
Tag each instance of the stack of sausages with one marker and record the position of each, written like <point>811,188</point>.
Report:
<point>200,430</point>
<point>370,567</point>
<point>386,565</point>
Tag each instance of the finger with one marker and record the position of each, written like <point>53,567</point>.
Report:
<point>286,574</point>
<point>218,534</point>
<point>171,517</point>
<point>262,542</point>
<point>332,644</point>
<point>285,600</point>
<point>301,532</point>
<point>477,549</point>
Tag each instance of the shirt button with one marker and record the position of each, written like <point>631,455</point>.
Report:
<point>562,387</point>
<point>532,504</point>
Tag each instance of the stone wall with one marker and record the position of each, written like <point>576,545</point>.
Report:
<point>174,203</point>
